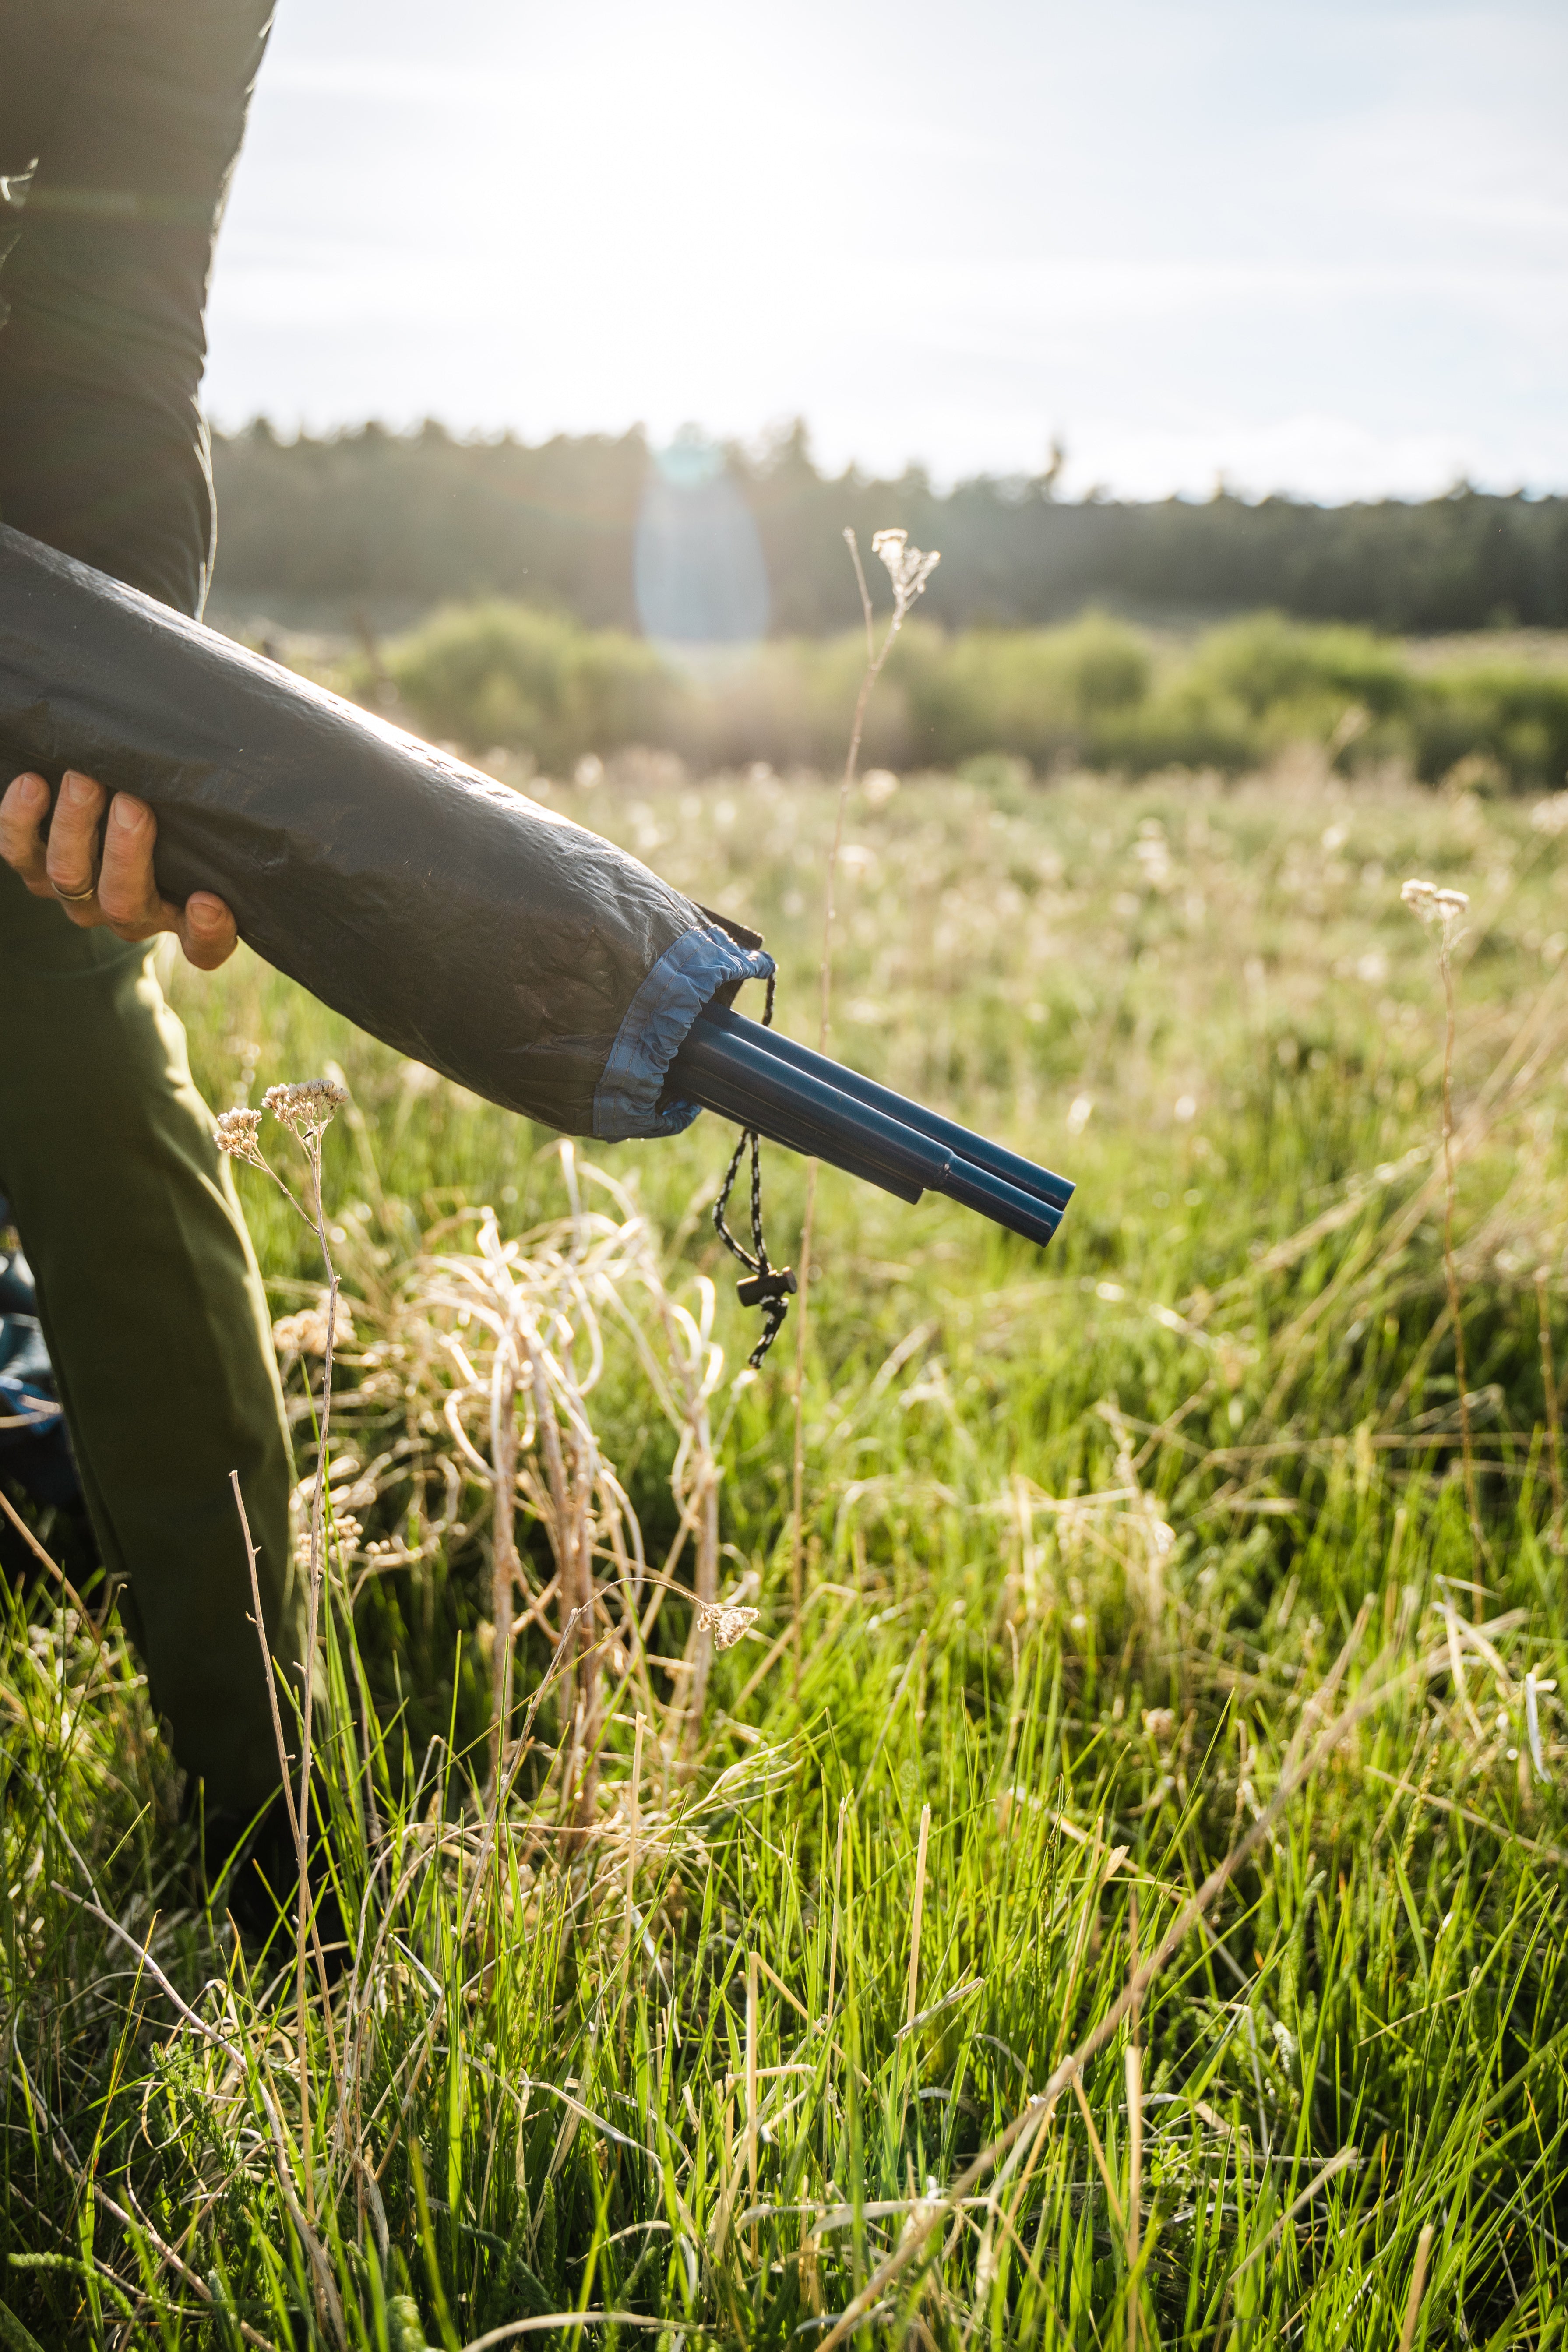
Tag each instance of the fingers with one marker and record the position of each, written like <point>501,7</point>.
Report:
<point>125,896</point>
<point>22,809</point>
<point>130,897</point>
<point>126,890</point>
<point>207,931</point>
<point>71,857</point>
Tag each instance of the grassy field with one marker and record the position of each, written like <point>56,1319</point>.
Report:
<point>874,1985</point>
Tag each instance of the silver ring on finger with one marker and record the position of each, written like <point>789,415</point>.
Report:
<point>74,898</point>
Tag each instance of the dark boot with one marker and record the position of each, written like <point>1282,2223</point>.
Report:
<point>251,1871</point>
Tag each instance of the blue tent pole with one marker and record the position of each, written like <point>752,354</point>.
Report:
<point>736,1067</point>
<point>1009,1165</point>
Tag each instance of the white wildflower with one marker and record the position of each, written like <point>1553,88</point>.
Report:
<point>1439,910</point>
<point>306,1107</point>
<point>238,1132</point>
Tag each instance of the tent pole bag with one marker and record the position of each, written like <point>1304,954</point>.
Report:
<point>459,922</point>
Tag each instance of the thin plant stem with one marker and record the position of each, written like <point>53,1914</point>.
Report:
<point>1554,1413</point>
<point>1097,2149</point>
<point>751,2085</point>
<point>284,1759</point>
<point>1451,1268</point>
<point>916,1913</point>
<point>1133,2057</point>
<point>874,660</point>
<point>503,1546</point>
<point>305,1110</point>
<point>61,1578</point>
<point>1418,2286</point>
<point>1341,2162</point>
<point>313,1634</point>
<point>634,1826</point>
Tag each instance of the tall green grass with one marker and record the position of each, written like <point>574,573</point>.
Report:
<point>1086,1534</point>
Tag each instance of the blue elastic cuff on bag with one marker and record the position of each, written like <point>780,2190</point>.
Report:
<point>687,977</point>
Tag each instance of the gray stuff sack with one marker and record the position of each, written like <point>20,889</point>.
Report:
<point>459,922</point>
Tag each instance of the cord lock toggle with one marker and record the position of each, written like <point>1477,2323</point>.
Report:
<point>766,1289</point>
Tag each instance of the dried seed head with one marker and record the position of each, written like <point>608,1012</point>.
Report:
<point>307,1105</point>
<point>908,569</point>
<point>727,1624</point>
<point>238,1132</point>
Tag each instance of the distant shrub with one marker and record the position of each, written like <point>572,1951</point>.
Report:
<point>1254,687</point>
<point>1513,715</point>
<point>504,672</point>
<point>1267,663</point>
<point>1036,694</point>
<point>1005,701</point>
<point>1183,724</point>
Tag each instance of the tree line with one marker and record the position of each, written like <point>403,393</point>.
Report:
<point>364,517</point>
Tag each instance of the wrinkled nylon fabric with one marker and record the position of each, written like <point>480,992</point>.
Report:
<point>689,975</point>
<point>463,924</point>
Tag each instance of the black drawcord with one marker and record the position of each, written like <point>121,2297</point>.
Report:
<point>766,1287</point>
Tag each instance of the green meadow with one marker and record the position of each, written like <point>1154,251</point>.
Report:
<point>1111,1890</point>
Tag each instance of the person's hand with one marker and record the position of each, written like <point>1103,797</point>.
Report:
<point>119,893</point>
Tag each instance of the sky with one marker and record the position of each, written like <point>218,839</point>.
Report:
<point>1297,244</point>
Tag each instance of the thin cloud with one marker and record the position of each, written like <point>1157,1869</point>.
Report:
<point>1313,246</point>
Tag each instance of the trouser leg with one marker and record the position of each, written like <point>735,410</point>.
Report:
<point>156,1322</point>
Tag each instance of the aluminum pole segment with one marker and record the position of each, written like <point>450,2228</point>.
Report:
<point>1003,1204</point>
<point>721,1066</point>
<point>962,1141</point>
<point>778,1088</point>
<point>794,1132</point>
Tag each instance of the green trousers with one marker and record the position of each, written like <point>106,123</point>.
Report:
<point>156,1322</point>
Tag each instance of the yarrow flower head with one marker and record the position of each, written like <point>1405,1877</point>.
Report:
<point>1439,910</point>
<point>306,1107</point>
<point>907,568</point>
<point>238,1132</point>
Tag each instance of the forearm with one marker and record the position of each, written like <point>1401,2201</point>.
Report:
<point>102,450</point>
